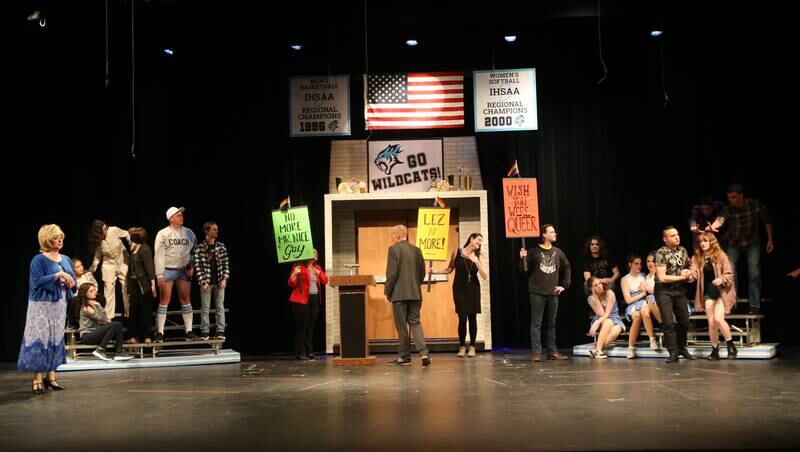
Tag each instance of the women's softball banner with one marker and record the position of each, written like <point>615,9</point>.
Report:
<point>319,105</point>
<point>505,100</point>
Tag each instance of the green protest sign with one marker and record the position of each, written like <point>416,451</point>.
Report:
<point>292,234</point>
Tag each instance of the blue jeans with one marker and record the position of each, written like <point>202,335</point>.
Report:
<point>543,307</point>
<point>219,306</point>
<point>752,253</point>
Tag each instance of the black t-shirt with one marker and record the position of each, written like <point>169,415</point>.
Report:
<point>600,267</point>
<point>212,260</point>
<point>710,291</point>
<point>674,261</point>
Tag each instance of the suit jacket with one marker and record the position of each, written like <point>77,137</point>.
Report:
<point>405,271</point>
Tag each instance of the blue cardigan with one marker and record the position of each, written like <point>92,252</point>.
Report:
<point>42,283</point>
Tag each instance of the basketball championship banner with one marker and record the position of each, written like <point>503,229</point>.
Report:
<point>404,166</point>
<point>505,100</point>
<point>433,228</point>
<point>292,234</point>
<point>521,207</point>
<point>319,106</point>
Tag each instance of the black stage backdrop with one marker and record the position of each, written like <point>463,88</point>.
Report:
<point>211,133</point>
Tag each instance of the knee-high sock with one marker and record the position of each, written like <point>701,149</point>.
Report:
<point>161,318</point>
<point>186,313</point>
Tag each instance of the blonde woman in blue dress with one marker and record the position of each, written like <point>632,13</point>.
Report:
<point>50,284</point>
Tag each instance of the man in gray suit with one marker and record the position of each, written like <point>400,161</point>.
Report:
<point>405,271</point>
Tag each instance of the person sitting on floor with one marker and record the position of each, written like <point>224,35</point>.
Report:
<point>95,328</point>
<point>604,304</point>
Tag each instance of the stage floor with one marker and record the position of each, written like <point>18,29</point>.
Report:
<point>497,401</point>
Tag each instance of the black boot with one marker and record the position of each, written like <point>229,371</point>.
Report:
<point>732,352</point>
<point>685,353</point>
<point>714,356</point>
<point>673,357</point>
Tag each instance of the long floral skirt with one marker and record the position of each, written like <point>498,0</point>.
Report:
<point>42,348</point>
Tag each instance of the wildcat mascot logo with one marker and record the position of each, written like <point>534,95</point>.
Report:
<point>333,125</point>
<point>388,158</point>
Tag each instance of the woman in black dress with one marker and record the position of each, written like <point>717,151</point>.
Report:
<point>467,264</point>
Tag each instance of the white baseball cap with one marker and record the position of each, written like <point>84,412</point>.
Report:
<point>173,210</point>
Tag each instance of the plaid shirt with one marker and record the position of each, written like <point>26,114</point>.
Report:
<point>202,264</point>
<point>742,221</point>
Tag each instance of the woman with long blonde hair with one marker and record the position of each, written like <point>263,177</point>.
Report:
<point>715,287</point>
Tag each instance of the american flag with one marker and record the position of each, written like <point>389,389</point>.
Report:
<point>415,101</point>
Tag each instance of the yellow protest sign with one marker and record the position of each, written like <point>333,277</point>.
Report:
<point>433,227</point>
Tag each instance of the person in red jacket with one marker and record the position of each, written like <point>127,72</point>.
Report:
<point>306,280</point>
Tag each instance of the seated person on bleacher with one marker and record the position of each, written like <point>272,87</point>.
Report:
<point>607,320</point>
<point>639,308</point>
<point>81,275</point>
<point>95,329</point>
<point>598,262</point>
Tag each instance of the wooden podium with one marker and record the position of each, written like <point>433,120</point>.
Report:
<point>353,347</point>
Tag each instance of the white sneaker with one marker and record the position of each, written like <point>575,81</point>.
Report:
<point>592,353</point>
<point>122,357</point>
<point>462,351</point>
<point>600,355</point>
<point>653,344</point>
<point>631,352</point>
<point>101,354</point>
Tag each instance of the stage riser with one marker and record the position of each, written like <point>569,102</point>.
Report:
<point>761,351</point>
<point>172,358</point>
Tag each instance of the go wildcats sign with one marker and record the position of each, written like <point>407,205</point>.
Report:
<point>404,166</point>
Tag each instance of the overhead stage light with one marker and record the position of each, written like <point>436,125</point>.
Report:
<point>36,15</point>
<point>510,38</point>
<point>411,42</point>
<point>656,33</point>
<point>296,46</point>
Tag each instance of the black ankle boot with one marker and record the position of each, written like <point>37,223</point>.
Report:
<point>732,352</point>
<point>714,356</point>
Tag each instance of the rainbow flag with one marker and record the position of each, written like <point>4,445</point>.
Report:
<point>439,202</point>
<point>286,203</point>
<point>514,170</point>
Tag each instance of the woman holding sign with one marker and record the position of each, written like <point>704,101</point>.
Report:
<point>306,280</point>
<point>467,289</point>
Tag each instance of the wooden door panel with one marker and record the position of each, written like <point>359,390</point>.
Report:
<point>373,240</point>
